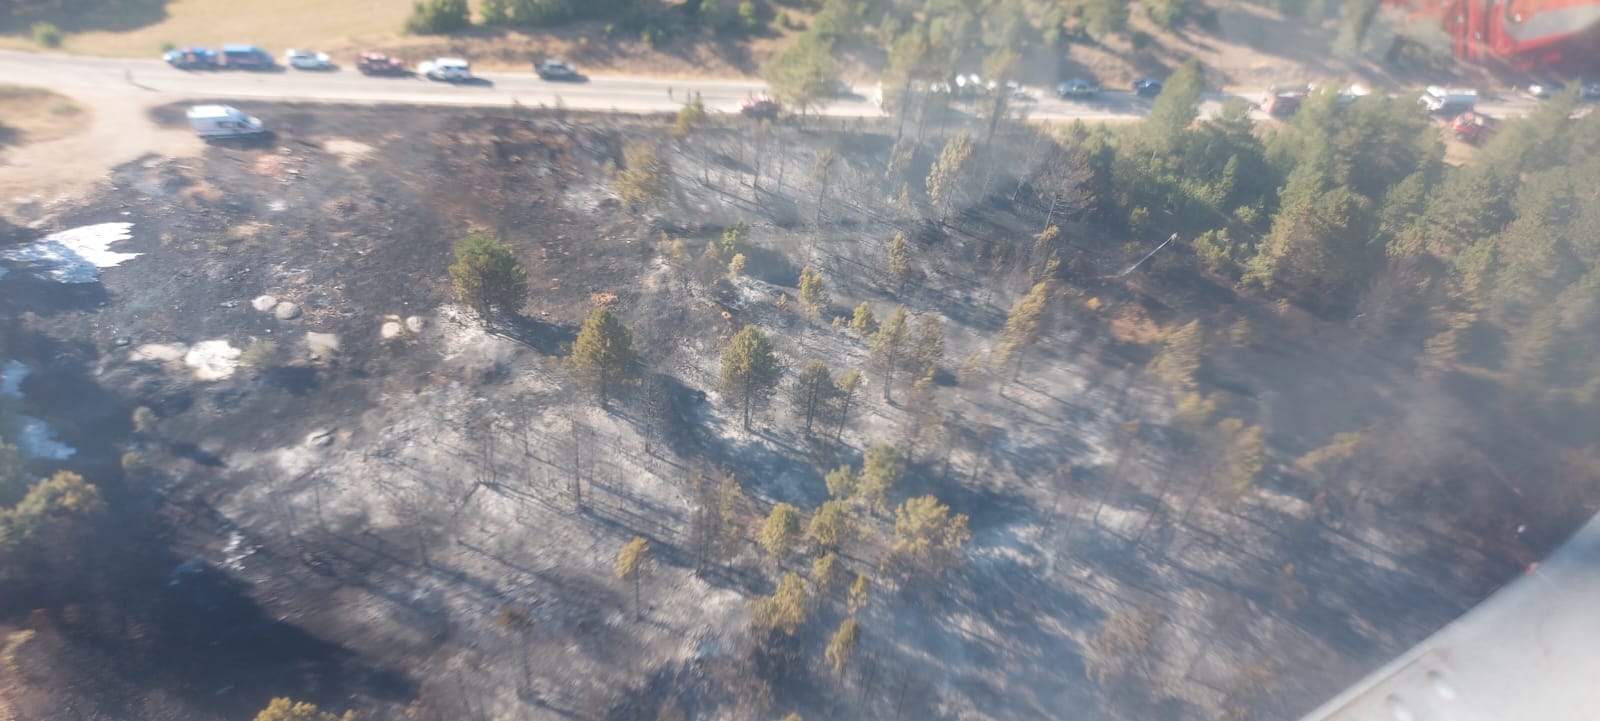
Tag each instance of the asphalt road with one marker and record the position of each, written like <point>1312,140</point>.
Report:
<point>150,80</point>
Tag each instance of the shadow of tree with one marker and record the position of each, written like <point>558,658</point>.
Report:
<point>82,15</point>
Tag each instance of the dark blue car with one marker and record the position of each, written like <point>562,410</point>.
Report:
<point>246,57</point>
<point>1146,88</point>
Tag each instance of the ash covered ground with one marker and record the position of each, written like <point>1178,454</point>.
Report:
<point>356,492</point>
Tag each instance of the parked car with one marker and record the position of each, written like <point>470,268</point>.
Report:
<point>1472,128</point>
<point>760,106</point>
<point>192,58</point>
<point>842,89</point>
<point>1283,103</point>
<point>380,64</point>
<point>557,71</point>
<point>223,121</point>
<point>247,57</point>
<point>1448,102</point>
<point>307,60</point>
<point>450,70</point>
<point>1016,91</point>
<point>1077,89</point>
<point>1146,88</point>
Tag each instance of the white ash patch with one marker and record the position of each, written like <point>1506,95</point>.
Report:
<point>212,359</point>
<point>37,439</point>
<point>349,151</point>
<point>76,255</point>
<point>11,376</point>
<point>322,344</point>
<point>264,303</point>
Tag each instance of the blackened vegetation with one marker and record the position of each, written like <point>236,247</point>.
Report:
<point>1156,493</point>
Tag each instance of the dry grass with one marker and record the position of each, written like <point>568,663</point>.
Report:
<point>31,115</point>
<point>345,27</point>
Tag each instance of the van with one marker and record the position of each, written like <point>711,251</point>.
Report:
<point>1448,101</point>
<point>247,57</point>
<point>223,121</point>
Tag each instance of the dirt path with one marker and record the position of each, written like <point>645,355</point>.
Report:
<point>37,177</point>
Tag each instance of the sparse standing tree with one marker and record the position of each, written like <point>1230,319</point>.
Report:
<point>929,349</point>
<point>284,709</point>
<point>581,442</point>
<point>656,412</point>
<point>825,572</point>
<point>736,268</point>
<point>842,647</point>
<point>862,321</point>
<point>644,180</point>
<point>888,348</point>
<point>847,384</point>
<point>881,469</point>
<point>944,180</point>
<point>1179,359</point>
<point>602,355</point>
<point>812,393</point>
<point>486,275</point>
<point>842,483</point>
<point>833,525</point>
<point>898,264</point>
<point>780,531</point>
<point>786,608</point>
<point>631,561</point>
<point>928,539</point>
<point>1121,643</point>
<point>860,592</point>
<point>750,371</point>
<point>1022,328</point>
<point>821,173</point>
<point>813,291</point>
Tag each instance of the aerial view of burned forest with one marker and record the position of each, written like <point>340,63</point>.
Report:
<point>970,404</point>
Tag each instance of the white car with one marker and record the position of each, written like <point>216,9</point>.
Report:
<point>451,70</point>
<point>307,60</point>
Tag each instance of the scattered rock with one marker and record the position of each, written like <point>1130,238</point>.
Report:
<point>414,323</point>
<point>322,343</point>
<point>320,438</point>
<point>390,329</point>
<point>264,303</point>
<point>159,352</point>
<point>123,341</point>
<point>286,310</point>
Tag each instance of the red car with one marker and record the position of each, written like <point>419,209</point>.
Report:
<point>380,64</point>
<point>759,106</point>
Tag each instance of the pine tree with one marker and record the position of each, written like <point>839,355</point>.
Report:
<point>898,264</point>
<point>780,531</point>
<point>487,276</point>
<point>928,539</point>
<point>803,74</point>
<point>644,181</point>
<point>862,321</point>
<point>736,268</point>
<point>860,591</point>
<point>881,469</point>
<point>888,348</point>
<point>813,292</point>
<point>631,560</point>
<point>841,482</point>
<point>1179,360</point>
<point>750,371</point>
<point>1021,330</point>
<point>602,355</point>
<point>284,709</point>
<point>813,393</point>
<point>929,349</point>
<point>833,525</point>
<point>847,384</point>
<point>786,608</point>
<point>825,570</point>
<point>946,178</point>
<point>843,645</point>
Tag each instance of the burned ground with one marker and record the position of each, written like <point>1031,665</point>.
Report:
<point>378,495</point>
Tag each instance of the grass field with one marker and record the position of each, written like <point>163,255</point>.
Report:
<point>30,115</point>
<point>275,25</point>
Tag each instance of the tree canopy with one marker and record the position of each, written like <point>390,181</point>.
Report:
<point>750,371</point>
<point>486,275</point>
<point>602,355</point>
